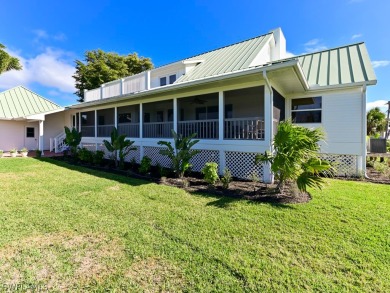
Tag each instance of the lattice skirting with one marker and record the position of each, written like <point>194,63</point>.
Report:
<point>205,156</point>
<point>242,165</point>
<point>157,158</point>
<point>89,146</point>
<point>135,154</point>
<point>346,165</point>
<point>107,154</point>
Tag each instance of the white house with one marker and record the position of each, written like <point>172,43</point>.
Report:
<point>23,115</point>
<point>233,98</point>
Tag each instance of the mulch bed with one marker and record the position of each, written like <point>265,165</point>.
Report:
<point>238,189</point>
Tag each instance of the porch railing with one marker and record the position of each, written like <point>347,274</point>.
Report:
<point>130,129</point>
<point>88,131</point>
<point>104,130</point>
<point>205,129</point>
<point>244,128</point>
<point>157,129</point>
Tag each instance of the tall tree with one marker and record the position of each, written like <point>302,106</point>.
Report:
<point>376,121</point>
<point>7,62</point>
<point>100,67</point>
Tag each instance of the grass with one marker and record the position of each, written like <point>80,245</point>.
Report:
<point>68,228</point>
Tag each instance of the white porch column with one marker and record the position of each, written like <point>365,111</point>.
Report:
<point>141,135</point>
<point>116,117</point>
<point>96,124</point>
<point>79,121</point>
<point>268,124</point>
<point>40,140</point>
<point>221,122</point>
<point>175,114</point>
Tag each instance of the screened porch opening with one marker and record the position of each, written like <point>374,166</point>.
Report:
<point>128,120</point>
<point>244,114</point>
<point>199,114</point>
<point>105,122</point>
<point>88,124</point>
<point>158,119</point>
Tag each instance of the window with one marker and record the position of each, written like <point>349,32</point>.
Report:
<point>124,118</point>
<point>30,132</point>
<point>163,81</point>
<point>307,110</point>
<point>147,117</point>
<point>206,113</point>
<point>172,78</point>
<point>170,114</point>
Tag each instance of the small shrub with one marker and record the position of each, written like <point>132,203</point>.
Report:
<point>133,164</point>
<point>146,164</point>
<point>98,157</point>
<point>226,178</point>
<point>13,151</point>
<point>210,172</point>
<point>254,177</point>
<point>24,150</point>
<point>38,153</point>
<point>380,167</point>
<point>85,155</point>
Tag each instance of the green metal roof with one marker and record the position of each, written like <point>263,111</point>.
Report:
<point>20,102</point>
<point>338,66</point>
<point>227,59</point>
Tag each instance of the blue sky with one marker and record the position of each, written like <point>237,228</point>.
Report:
<point>49,35</point>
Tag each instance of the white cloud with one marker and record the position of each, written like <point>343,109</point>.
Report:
<point>382,104</point>
<point>380,63</point>
<point>356,36</point>
<point>314,45</point>
<point>50,68</point>
<point>312,42</point>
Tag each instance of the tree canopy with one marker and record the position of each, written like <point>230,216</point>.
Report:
<point>7,62</point>
<point>100,67</point>
<point>376,121</point>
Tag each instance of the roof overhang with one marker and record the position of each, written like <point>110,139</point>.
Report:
<point>34,117</point>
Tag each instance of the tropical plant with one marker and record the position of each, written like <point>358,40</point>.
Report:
<point>7,62</point>
<point>38,153</point>
<point>98,157</point>
<point>119,146</point>
<point>296,159</point>
<point>376,121</point>
<point>100,67</point>
<point>210,172</point>
<point>226,178</point>
<point>72,139</point>
<point>24,150</point>
<point>85,155</point>
<point>180,153</point>
<point>13,151</point>
<point>146,164</point>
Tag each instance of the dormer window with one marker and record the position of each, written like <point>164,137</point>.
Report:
<point>163,81</point>
<point>172,78</point>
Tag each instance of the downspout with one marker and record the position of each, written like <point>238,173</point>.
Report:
<point>364,130</point>
<point>271,132</point>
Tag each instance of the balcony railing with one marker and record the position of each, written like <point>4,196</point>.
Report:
<point>157,129</point>
<point>244,128</point>
<point>88,131</point>
<point>105,130</point>
<point>130,129</point>
<point>128,85</point>
<point>205,129</point>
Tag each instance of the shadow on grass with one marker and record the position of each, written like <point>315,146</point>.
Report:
<point>116,175</point>
<point>220,201</point>
<point>226,201</point>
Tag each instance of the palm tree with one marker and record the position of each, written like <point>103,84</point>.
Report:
<point>296,159</point>
<point>376,121</point>
<point>7,62</point>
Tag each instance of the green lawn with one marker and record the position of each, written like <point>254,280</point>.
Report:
<point>69,228</point>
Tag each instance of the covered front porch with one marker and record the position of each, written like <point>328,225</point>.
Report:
<point>237,114</point>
